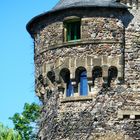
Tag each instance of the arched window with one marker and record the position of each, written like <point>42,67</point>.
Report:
<point>65,75</point>
<point>112,74</point>
<point>51,76</point>
<point>96,73</point>
<point>81,77</point>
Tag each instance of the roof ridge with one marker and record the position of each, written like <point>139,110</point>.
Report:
<point>63,4</point>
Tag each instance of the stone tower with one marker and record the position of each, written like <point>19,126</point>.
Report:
<point>87,70</point>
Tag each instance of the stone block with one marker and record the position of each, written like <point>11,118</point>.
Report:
<point>121,59</point>
<point>44,68</point>
<point>114,61</point>
<point>120,72</point>
<point>57,74</point>
<point>67,62</point>
<point>132,117</point>
<point>96,61</point>
<point>72,73</point>
<point>89,71</point>
<point>80,62</point>
<point>72,64</point>
<point>57,63</point>
<point>104,59</point>
<point>105,71</point>
<point>89,58</point>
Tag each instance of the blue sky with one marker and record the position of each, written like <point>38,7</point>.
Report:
<point>16,55</point>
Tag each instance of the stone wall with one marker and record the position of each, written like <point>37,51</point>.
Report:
<point>102,29</point>
<point>49,32</point>
<point>49,36</point>
<point>92,118</point>
<point>132,52</point>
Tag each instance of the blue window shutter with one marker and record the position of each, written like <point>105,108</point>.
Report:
<point>83,84</point>
<point>69,91</point>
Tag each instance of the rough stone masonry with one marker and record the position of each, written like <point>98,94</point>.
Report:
<point>108,50</point>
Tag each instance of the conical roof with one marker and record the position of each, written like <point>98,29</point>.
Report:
<point>66,4</point>
<point>63,4</point>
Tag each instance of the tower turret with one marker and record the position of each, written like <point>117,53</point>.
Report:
<point>87,69</point>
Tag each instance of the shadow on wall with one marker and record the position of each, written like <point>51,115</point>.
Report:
<point>126,18</point>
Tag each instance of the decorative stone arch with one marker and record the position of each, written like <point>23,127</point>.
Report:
<point>96,73</point>
<point>96,80</point>
<point>112,74</point>
<point>81,81</point>
<point>66,81</point>
<point>60,64</point>
<point>80,62</point>
<point>78,71</point>
<point>64,75</point>
<point>51,76</point>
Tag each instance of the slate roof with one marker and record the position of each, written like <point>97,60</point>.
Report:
<point>63,4</point>
<point>66,4</point>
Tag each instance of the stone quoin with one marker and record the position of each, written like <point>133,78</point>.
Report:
<point>87,70</point>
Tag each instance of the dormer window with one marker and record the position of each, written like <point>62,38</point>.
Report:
<point>72,29</point>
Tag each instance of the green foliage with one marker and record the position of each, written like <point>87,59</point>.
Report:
<point>8,134</point>
<point>24,123</point>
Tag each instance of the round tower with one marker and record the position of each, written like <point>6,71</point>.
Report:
<point>87,69</point>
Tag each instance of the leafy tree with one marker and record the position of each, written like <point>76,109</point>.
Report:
<point>8,134</point>
<point>25,122</point>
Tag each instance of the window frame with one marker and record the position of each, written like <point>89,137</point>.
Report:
<point>76,23</point>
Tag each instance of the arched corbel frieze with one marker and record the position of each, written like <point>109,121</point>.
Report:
<point>96,73</point>
<point>112,75</point>
<point>60,64</point>
<point>81,62</point>
<point>51,76</point>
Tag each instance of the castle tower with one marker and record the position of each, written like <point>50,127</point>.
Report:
<point>87,69</point>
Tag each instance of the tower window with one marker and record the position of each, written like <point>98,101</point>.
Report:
<point>72,30</point>
<point>83,84</point>
<point>65,75</point>
<point>96,73</point>
<point>82,81</point>
<point>112,74</point>
<point>51,76</point>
